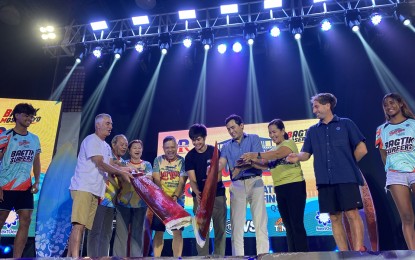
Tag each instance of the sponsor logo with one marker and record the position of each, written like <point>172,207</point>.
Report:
<point>248,227</point>
<point>24,143</point>
<point>279,225</point>
<point>10,225</point>
<point>324,222</point>
<point>398,131</point>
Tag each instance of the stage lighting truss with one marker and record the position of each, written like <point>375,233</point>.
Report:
<point>230,25</point>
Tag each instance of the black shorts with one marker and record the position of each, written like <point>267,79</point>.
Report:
<point>340,197</point>
<point>17,200</point>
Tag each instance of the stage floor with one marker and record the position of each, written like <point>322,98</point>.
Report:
<point>396,254</point>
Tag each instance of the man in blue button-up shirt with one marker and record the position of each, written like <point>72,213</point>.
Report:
<point>247,186</point>
<point>337,145</point>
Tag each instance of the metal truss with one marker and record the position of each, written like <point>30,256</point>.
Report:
<point>223,26</point>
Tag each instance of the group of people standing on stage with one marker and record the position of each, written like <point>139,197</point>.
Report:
<point>101,184</point>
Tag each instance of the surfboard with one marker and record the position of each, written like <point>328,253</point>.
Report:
<point>53,225</point>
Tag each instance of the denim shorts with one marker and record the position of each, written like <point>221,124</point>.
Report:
<point>399,178</point>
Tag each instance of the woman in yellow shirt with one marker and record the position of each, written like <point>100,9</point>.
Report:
<point>289,184</point>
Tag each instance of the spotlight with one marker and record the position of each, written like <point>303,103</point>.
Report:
<point>272,4</point>
<point>140,20</point>
<point>187,14</point>
<point>7,249</point>
<point>222,48</point>
<point>352,19</point>
<point>237,47</point>
<point>229,9</point>
<point>187,41</point>
<point>206,38</point>
<point>97,52</point>
<point>325,25</point>
<point>164,42</point>
<point>48,32</point>
<point>275,31</point>
<point>375,18</point>
<point>80,52</point>
<point>139,46</point>
<point>250,32</point>
<point>403,12</point>
<point>99,26</point>
<point>296,27</point>
<point>118,47</point>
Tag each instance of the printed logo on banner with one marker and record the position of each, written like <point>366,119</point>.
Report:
<point>248,227</point>
<point>297,135</point>
<point>324,222</point>
<point>7,117</point>
<point>10,226</point>
<point>183,146</point>
<point>279,225</point>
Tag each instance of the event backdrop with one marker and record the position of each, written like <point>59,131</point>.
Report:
<point>316,224</point>
<point>45,126</point>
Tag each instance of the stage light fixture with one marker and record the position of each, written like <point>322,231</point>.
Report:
<point>268,4</point>
<point>275,31</point>
<point>164,42</point>
<point>118,47</point>
<point>250,31</point>
<point>237,47</point>
<point>325,25</point>
<point>352,19</point>
<point>375,18</point>
<point>187,41</point>
<point>319,1</point>
<point>80,52</point>
<point>403,13</point>
<point>99,26</point>
<point>48,32</point>
<point>207,38</point>
<point>296,27</point>
<point>222,48</point>
<point>139,46</point>
<point>229,9</point>
<point>97,52</point>
<point>187,14</point>
<point>140,20</point>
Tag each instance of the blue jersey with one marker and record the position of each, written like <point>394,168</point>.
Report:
<point>398,142</point>
<point>17,162</point>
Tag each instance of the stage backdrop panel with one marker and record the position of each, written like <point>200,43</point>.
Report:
<point>45,126</point>
<point>316,224</point>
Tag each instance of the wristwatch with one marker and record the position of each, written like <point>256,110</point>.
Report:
<point>259,155</point>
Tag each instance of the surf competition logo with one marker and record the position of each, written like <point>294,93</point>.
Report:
<point>324,222</point>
